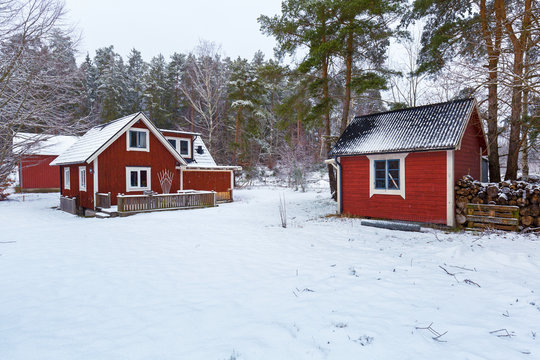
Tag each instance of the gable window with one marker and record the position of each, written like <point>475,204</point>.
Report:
<point>137,178</point>
<point>66,178</point>
<point>82,178</point>
<point>137,139</point>
<point>182,145</point>
<point>387,174</point>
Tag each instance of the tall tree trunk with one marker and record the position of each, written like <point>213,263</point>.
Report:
<point>237,133</point>
<point>519,45</point>
<point>493,47</point>
<point>348,78</point>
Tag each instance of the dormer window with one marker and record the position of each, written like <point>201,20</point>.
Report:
<point>182,145</point>
<point>138,140</point>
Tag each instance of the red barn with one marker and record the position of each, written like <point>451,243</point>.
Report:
<point>403,164</point>
<point>34,172</point>
<point>126,156</point>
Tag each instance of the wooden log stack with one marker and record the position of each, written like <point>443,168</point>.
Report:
<point>524,195</point>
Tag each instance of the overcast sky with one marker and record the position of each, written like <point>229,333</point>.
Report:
<point>167,26</point>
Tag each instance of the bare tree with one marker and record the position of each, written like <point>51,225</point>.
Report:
<point>38,84</point>
<point>205,88</point>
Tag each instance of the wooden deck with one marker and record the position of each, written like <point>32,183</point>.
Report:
<point>133,204</point>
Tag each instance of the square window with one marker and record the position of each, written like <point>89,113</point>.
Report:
<point>172,142</point>
<point>387,174</point>
<point>138,139</point>
<point>137,178</point>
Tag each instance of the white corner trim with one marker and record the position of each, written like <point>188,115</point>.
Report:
<point>450,211</point>
<point>338,185</point>
<point>232,180</point>
<point>146,131</point>
<point>138,169</point>
<point>82,186</point>
<point>401,191</point>
<point>96,183</point>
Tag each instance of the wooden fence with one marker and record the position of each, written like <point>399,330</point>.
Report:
<point>103,200</point>
<point>185,200</point>
<point>493,216</point>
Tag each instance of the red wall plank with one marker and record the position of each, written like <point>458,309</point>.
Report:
<point>37,174</point>
<point>467,158</point>
<point>219,181</point>
<point>425,189</point>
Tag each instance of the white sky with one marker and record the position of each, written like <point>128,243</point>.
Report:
<point>167,26</point>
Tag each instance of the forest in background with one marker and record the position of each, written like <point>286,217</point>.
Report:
<point>276,112</point>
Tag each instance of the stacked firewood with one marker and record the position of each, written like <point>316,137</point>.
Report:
<point>523,194</point>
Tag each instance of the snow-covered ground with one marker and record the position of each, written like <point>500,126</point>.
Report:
<point>231,283</point>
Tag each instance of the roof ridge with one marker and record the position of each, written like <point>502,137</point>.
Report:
<point>131,116</point>
<point>415,107</point>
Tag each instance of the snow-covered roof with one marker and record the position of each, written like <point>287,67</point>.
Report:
<point>42,144</point>
<point>98,138</point>
<point>430,127</point>
<point>204,159</point>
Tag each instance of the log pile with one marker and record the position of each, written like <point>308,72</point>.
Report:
<point>517,193</point>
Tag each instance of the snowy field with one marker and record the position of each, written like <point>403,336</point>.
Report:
<point>231,283</point>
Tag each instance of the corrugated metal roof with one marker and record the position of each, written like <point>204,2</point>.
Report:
<point>430,127</point>
<point>92,141</point>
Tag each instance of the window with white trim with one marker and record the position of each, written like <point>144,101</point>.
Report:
<point>137,178</point>
<point>82,178</point>
<point>387,174</point>
<point>66,178</point>
<point>138,139</point>
<point>182,145</point>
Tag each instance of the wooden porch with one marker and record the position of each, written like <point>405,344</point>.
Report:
<point>133,204</point>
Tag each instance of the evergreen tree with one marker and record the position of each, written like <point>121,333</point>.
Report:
<point>156,91</point>
<point>175,75</point>
<point>135,82</point>
<point>111,84</point>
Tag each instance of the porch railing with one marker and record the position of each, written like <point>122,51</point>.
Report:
<point>187,200</point>
<point>103,200</point>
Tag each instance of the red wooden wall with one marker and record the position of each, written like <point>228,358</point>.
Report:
<point>219,181</point>
<point>467,160</point>
<point>113,161</point>
<point>37,174</point>
<point>86,198</point>
<point>425,189</point>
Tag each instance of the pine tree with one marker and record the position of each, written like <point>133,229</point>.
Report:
<point>111,84</point>
<point>156,93</point>
<point>135,82</point>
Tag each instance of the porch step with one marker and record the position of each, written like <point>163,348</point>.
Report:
<point>110,212</point>
<point>102,215</point>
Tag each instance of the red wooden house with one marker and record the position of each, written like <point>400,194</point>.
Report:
<point>34,172</point>
<point>403,164</point>
<point>126,155</point>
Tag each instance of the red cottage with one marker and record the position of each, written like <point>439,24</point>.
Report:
<point>403,164</point>
<point>34,172</point>
<point>126,156</point>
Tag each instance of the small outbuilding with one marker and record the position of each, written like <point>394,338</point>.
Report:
<point>403,164</point>
<point>38,150</point>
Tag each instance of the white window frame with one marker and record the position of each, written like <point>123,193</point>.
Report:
<point>129,169</point>
<point>82,186</point>
<point>372,190</point>
<point>67,180</point>
<point>178,147</point>
<point>147,148</point>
